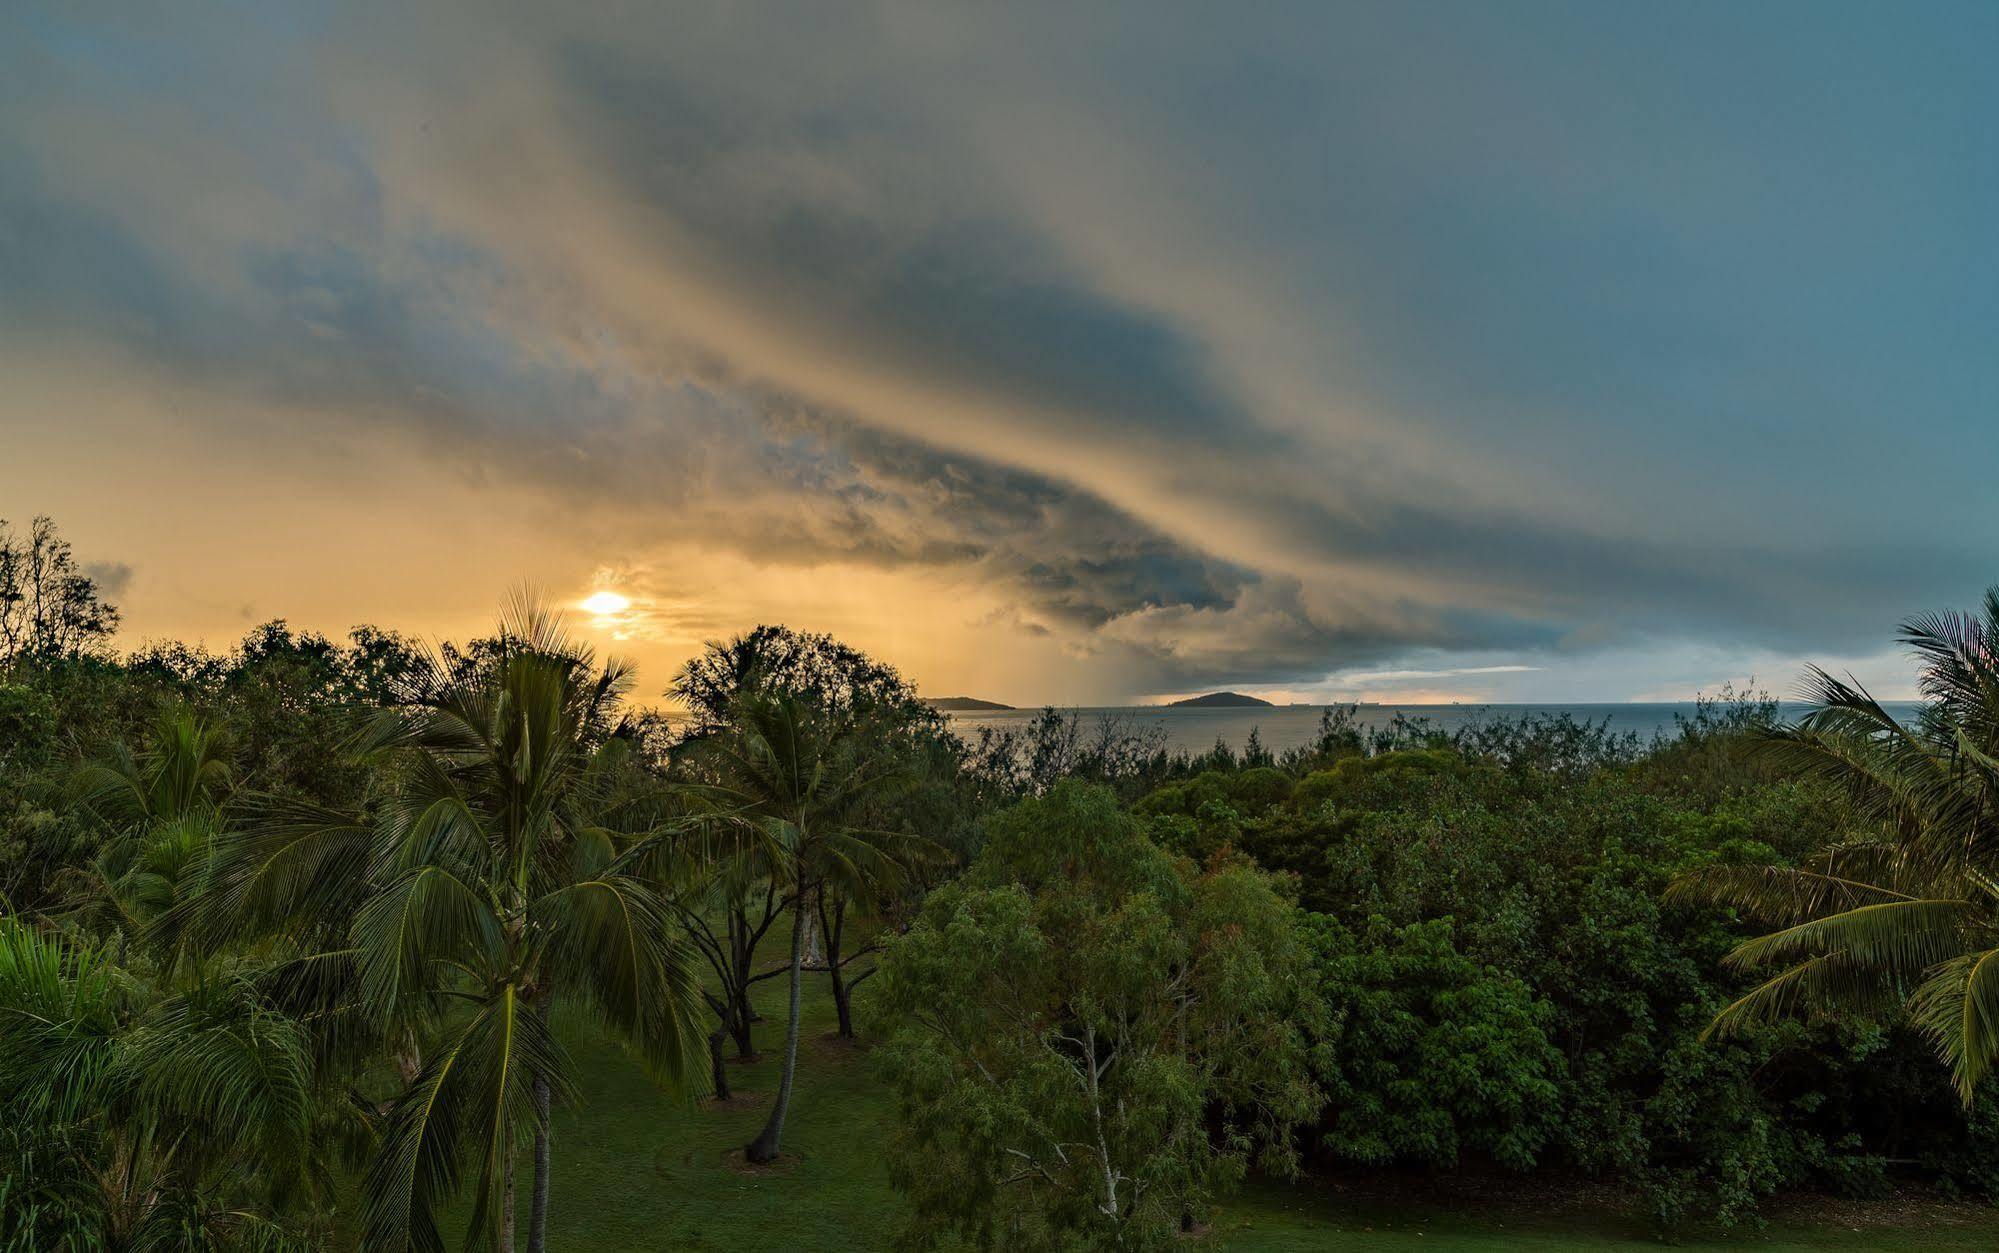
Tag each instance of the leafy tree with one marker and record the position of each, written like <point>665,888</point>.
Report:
<point>1906,915</point>
<point>1426,1054</point>
<point>837,686</point>
<point>814,669</point>
<point>1094,1035</point>
<point>1027,761</point>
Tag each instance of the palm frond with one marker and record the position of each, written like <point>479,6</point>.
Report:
<point>476,1090</point>
<point>1829,981</point>
<point>616,942</point>
<point>1958,1009</point>
<point>1900,938</point>
<point>424,919</point>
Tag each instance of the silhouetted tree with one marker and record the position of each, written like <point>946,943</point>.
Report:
<point>48,606</point>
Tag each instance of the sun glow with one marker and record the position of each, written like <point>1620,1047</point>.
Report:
<point>605,604</point>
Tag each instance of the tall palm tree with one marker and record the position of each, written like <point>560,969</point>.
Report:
<point>495,878</point>
<point>1906,915</point>
<point>800,773</point>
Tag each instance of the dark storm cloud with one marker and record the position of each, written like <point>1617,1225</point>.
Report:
<point>1234,349</point>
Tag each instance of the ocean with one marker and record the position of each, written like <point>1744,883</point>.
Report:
<point>1288,726</point>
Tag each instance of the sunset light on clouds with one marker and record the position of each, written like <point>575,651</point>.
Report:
<point>1084,355</point>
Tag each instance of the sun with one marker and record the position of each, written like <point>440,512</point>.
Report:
<point>604,604</point>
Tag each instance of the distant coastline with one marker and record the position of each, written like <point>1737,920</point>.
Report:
<point>1195,728</point>
<point>966,704</point>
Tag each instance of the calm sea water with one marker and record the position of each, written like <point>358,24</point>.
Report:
<point>1287,726</point>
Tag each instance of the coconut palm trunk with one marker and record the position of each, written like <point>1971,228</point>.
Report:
<point>767,1145</point>
<point>538,1206</point>
<point>507,1207</point>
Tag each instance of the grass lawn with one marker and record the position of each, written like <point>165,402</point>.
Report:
<point>635,1169</point>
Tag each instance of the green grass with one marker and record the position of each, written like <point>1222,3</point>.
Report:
<point>636,1169</point>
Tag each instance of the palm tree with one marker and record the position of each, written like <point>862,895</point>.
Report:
<point>142,1115</point>
<point>163,809</point>
<point>800,773</point>
<point>495,875</point>
<point>1908,913</point>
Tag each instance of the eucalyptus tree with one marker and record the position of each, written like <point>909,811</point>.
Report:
<point>494,874</point>
<point>800,774</point>
<point>1091,1037</point>
<point>1906,915</point>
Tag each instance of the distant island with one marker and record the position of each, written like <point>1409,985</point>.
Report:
<point>965,704</point>
<point>1221,700</point>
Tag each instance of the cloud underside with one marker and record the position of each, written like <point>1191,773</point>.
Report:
<point>1198,356</point>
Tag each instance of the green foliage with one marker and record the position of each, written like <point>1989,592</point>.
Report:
<point>1260,787</point>
<point>1552,886</point>
<point>1091,1036</point>
<point>237,963</point>
<point>493,874</point>
<point>1352,780</point>
<point>1426,1055</point>
<point>147,1115</point>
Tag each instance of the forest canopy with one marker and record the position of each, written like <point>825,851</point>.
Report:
<point>297,939</point>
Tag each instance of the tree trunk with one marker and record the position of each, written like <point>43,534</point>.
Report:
<point>739,963</point>
<point>766,1146</point>
<point>843,1005</point>
<point>538,1204</point>
<point>815,949</point>
<point>746,1047</point>
<point>843,996</point>
<point>409,1057</point>
<point>718,1072</point>
<point>507,1203</point>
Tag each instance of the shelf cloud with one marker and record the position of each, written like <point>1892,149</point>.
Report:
<point>1052,352</point>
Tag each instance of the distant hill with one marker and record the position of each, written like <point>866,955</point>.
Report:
<point>1222,700</point>
<point>965,704</point>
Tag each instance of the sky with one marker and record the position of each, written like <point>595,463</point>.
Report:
<point>1055,353</point>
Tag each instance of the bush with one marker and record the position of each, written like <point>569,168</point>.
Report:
<point>1426,1054</point>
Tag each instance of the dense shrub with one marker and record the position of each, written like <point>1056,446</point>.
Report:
<point>1427,1055</point>
<point>1507,983</point>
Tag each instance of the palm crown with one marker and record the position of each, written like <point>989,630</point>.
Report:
<point>494,874</point>
<point>1907,914</point>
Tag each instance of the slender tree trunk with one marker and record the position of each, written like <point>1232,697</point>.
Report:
<point>718,1071</point>
<point>507,1204</point>
<point>538,1204</point>
<point>739,963</point>
<point>765,1147</point>
<point>408,1056</point>
<point>815,948</point>
<point>843,997</point>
